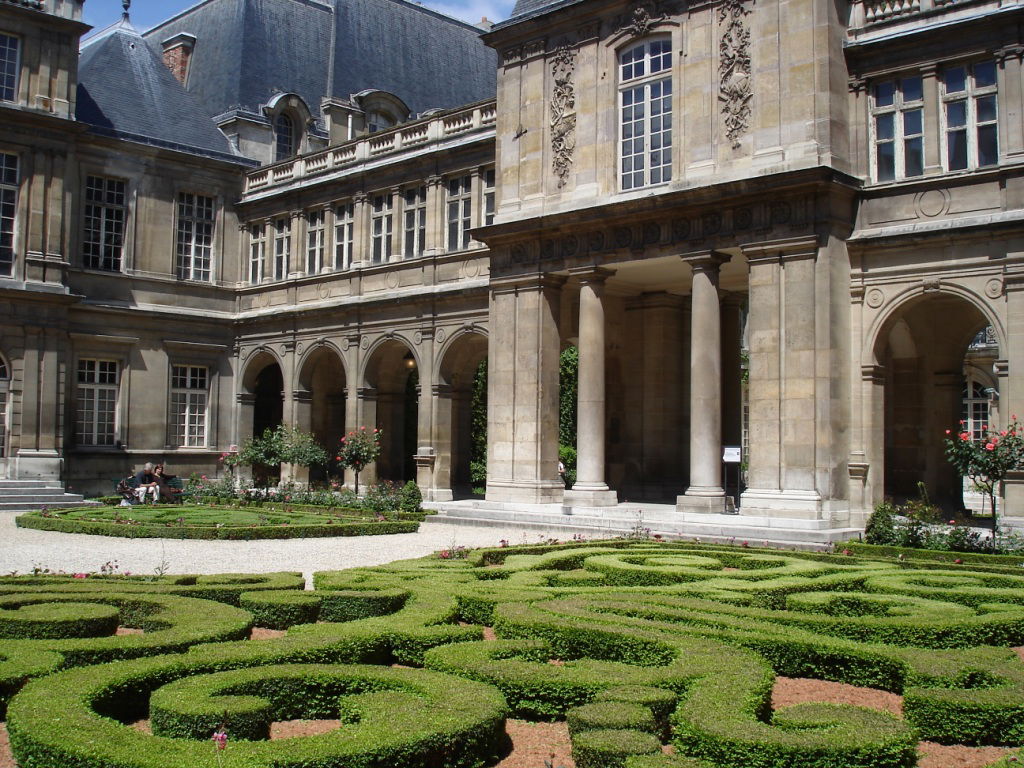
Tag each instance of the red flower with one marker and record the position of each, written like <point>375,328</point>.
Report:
<point>947,431</point>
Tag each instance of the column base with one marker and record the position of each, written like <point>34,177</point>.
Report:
<point>439,494</point>
<point>704,499</point>
<point>38,465</point>
<point>544,492</point>
<point>786,503</point>
<point>590,495</point>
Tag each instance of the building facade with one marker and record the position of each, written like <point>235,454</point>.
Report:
<point>792,226</point>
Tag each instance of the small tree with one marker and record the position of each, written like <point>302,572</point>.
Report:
<point>357,449</point>
<point>281,445</point>
<point>986,462</point>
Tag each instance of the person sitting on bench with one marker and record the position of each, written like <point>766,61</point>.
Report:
<point>146,483</point>
<point>167,490</point>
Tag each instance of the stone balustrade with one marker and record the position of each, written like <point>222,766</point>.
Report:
<point>438,127</point>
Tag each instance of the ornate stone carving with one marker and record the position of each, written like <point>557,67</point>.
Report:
<point>639,20</point>
<point>563,112</point>
<point>734,90</point>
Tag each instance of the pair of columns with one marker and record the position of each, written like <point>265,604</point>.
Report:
<point>705,492</point>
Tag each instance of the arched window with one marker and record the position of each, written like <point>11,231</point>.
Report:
<point>378,121</point>
<point>975,412</point>
<point>284,137</point>
<point>645,113</point>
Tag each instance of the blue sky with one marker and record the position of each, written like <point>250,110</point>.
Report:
<point>149,13</point>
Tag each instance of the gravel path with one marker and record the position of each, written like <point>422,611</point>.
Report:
<point>21,549</point>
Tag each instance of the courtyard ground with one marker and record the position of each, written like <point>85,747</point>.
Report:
<point>22,549</point>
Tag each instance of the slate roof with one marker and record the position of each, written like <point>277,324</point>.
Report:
<point>124,90</point>
<point>525,9</point>
<point>248,50</point>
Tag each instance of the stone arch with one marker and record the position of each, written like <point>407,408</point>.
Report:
<point>320,398</point>
<point>261,402</point>
<point>390,402</point>
<point>454,439</point>
<point>917,352</point>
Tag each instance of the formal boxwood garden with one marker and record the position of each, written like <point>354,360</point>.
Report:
<point>190,521</point>
<point>634,644</point>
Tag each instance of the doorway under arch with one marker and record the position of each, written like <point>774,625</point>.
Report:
<point>321,402</point>
<point>391,404</point>
<point>924,351</point>
<point>462,414</point>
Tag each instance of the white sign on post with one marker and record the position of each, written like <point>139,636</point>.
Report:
<point>731,454</point>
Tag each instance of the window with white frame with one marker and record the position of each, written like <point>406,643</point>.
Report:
<point>415,211</point>
<point>316,233</point>
<point>9,48</point>
<point>97,402</point>
<point>381,227</point>
<point>282,246</point>
<point>5,386</point>
<point>189,398</point>
<point>645,118</point>
<point>488,212</point>
<point>257,252</point>
<point>970,116</point>
<point>8,209</point>
<point>898,124</point>
<point>104,213</point>
<point>974,413</point>
<point>460,211</point>
<point>284,137</point>
<point>344,226</point>
<point>195,236</point>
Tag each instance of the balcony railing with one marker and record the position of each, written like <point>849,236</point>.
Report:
<point>865,13</point>
<point>374,145</point>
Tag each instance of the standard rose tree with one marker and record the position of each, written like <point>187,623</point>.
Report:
<point>357,449</point>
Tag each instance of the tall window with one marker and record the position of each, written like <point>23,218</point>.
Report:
<point>381,223</point>
<point>284,137</point>
<point>975,410</point>
<point>645,120</point>
<point>97,402</point>
<point>5,386</point>
<point>344,224</point>
<point>315,235</point>
<point>460,211</point>
<point>488,217</point>
<point>8,67</point>
<point>8,208</point>
<point>257,252</point>
<point>195,236</point>
<point>104,223</point>
<point>188,405</point>
<point>970,116</point>
<point>282,246</point>
<point>898,112</point>
<point>415,222</point>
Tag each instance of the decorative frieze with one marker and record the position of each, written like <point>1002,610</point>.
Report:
<point>735,90</point>
<point>563,112</point>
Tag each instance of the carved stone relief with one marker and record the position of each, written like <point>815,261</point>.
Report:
<point>563,112</point>
<point>735,90</point>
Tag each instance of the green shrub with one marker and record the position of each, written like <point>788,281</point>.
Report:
<point>610,748</point>
<point>410,499</point>
<point>280,610</point>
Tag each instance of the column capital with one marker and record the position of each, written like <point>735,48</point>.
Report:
<point>707,261</point>
<point>591,274</point>
<point>537,281</point>
<point>782,250</point>
<point>302,396</point>
<point>245,398</point>
<point>873,373</point>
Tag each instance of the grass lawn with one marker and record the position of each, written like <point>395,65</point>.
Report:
<point>649,654</point>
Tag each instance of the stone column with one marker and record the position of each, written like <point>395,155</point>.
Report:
<point>705,492</point>
<point>522,394</point>
<point>366,406</point>
<point>302,415</point>
<point>590,488</point>
<point>442,484</point>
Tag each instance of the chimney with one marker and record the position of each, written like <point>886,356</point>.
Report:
<point>178,54</point>
<point>485,24</point>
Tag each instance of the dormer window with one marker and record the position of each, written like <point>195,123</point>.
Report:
<point>284,137</point>
<point>378,121</point>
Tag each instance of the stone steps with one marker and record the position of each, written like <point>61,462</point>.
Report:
<point>27,496</point>
<point>661,519</point>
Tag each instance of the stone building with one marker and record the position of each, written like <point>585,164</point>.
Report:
<point>781,225</point>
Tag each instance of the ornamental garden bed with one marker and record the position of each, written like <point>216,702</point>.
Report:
<point>214,522</point>
<point>640,654</point>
